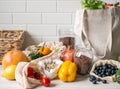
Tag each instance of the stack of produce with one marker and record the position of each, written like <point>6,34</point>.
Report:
<point>64,66</point>
<point>10,61</point>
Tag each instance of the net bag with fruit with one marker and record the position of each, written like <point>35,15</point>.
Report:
<point>45,50</point>
<point>44,62</point>
<point>28,75</point>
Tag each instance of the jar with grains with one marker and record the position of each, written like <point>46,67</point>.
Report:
<point>67,37</point>
<point>83,59</point>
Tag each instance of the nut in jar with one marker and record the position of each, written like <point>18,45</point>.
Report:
<point>83,59</point>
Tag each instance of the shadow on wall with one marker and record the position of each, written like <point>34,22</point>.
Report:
<point>29,40</point>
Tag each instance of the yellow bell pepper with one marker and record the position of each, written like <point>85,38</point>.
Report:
<point>67,71</point>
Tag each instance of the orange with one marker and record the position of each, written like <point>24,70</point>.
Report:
<point>45,51</point>
<point>13,57</point>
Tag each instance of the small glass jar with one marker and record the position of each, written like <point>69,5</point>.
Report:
<point>67,37</point>
<point>83,59</point>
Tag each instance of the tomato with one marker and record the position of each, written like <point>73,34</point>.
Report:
<point>30,71</point>
<point>46,81</point>
<point>30,76</point>
<point>37,75</point>
<point>108,5</point>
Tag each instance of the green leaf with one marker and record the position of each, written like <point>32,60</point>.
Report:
<point>92,4</point>
<point>34,55</point>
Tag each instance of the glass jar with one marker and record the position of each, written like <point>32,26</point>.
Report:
<point>67,37</point>
<point>83,59</point>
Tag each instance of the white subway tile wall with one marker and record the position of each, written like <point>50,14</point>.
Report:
<point>41,19</point>
<point>27,18</point>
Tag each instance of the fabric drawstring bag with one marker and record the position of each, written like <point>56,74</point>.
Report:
<point>21,75</point>
<point>99,30</point>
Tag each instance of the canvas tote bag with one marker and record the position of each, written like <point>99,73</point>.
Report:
<point>100,31</point>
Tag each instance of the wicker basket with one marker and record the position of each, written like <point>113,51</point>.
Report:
<point>10,39</point>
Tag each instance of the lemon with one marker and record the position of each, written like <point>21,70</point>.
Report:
<point>9,72</point>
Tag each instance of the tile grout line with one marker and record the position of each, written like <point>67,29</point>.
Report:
<point>12,17</point>
<point>26,5</point>
<point>56,5</point>
<point>41,18</point>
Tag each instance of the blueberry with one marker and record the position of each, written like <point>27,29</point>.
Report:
<point>108,70</point>
<point>99,71</point>
<point>112,72</point>
<point>92,77</point>
<point>100,67</point>
<point>109,65</point>
<point>97,68</point>
<point>94,82</point>
<point>98,79</point>
<point>116,68</point>
<point>96,71</point>
<point>112,68</point>
<point>107,73</point>
<point>106,65</point>
<point>103,70</point>
<point>104,81</point>
<point>103,75</point>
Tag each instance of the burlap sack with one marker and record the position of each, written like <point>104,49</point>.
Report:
<point>21,75</point>
<point>102,62</point>
<point>99,30</point>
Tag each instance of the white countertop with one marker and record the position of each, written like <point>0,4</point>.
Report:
<point>79,83</point>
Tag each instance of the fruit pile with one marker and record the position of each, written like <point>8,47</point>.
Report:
<point>10,61</point>
<point>42,51</point>
<point>32,73</point>
<point>66,69</point>
<point>95,80</point>
<point>105,70</point>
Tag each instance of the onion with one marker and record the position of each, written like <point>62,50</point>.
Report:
<point>68,54</point>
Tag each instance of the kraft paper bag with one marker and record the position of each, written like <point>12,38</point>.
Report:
<point>99,30</point>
